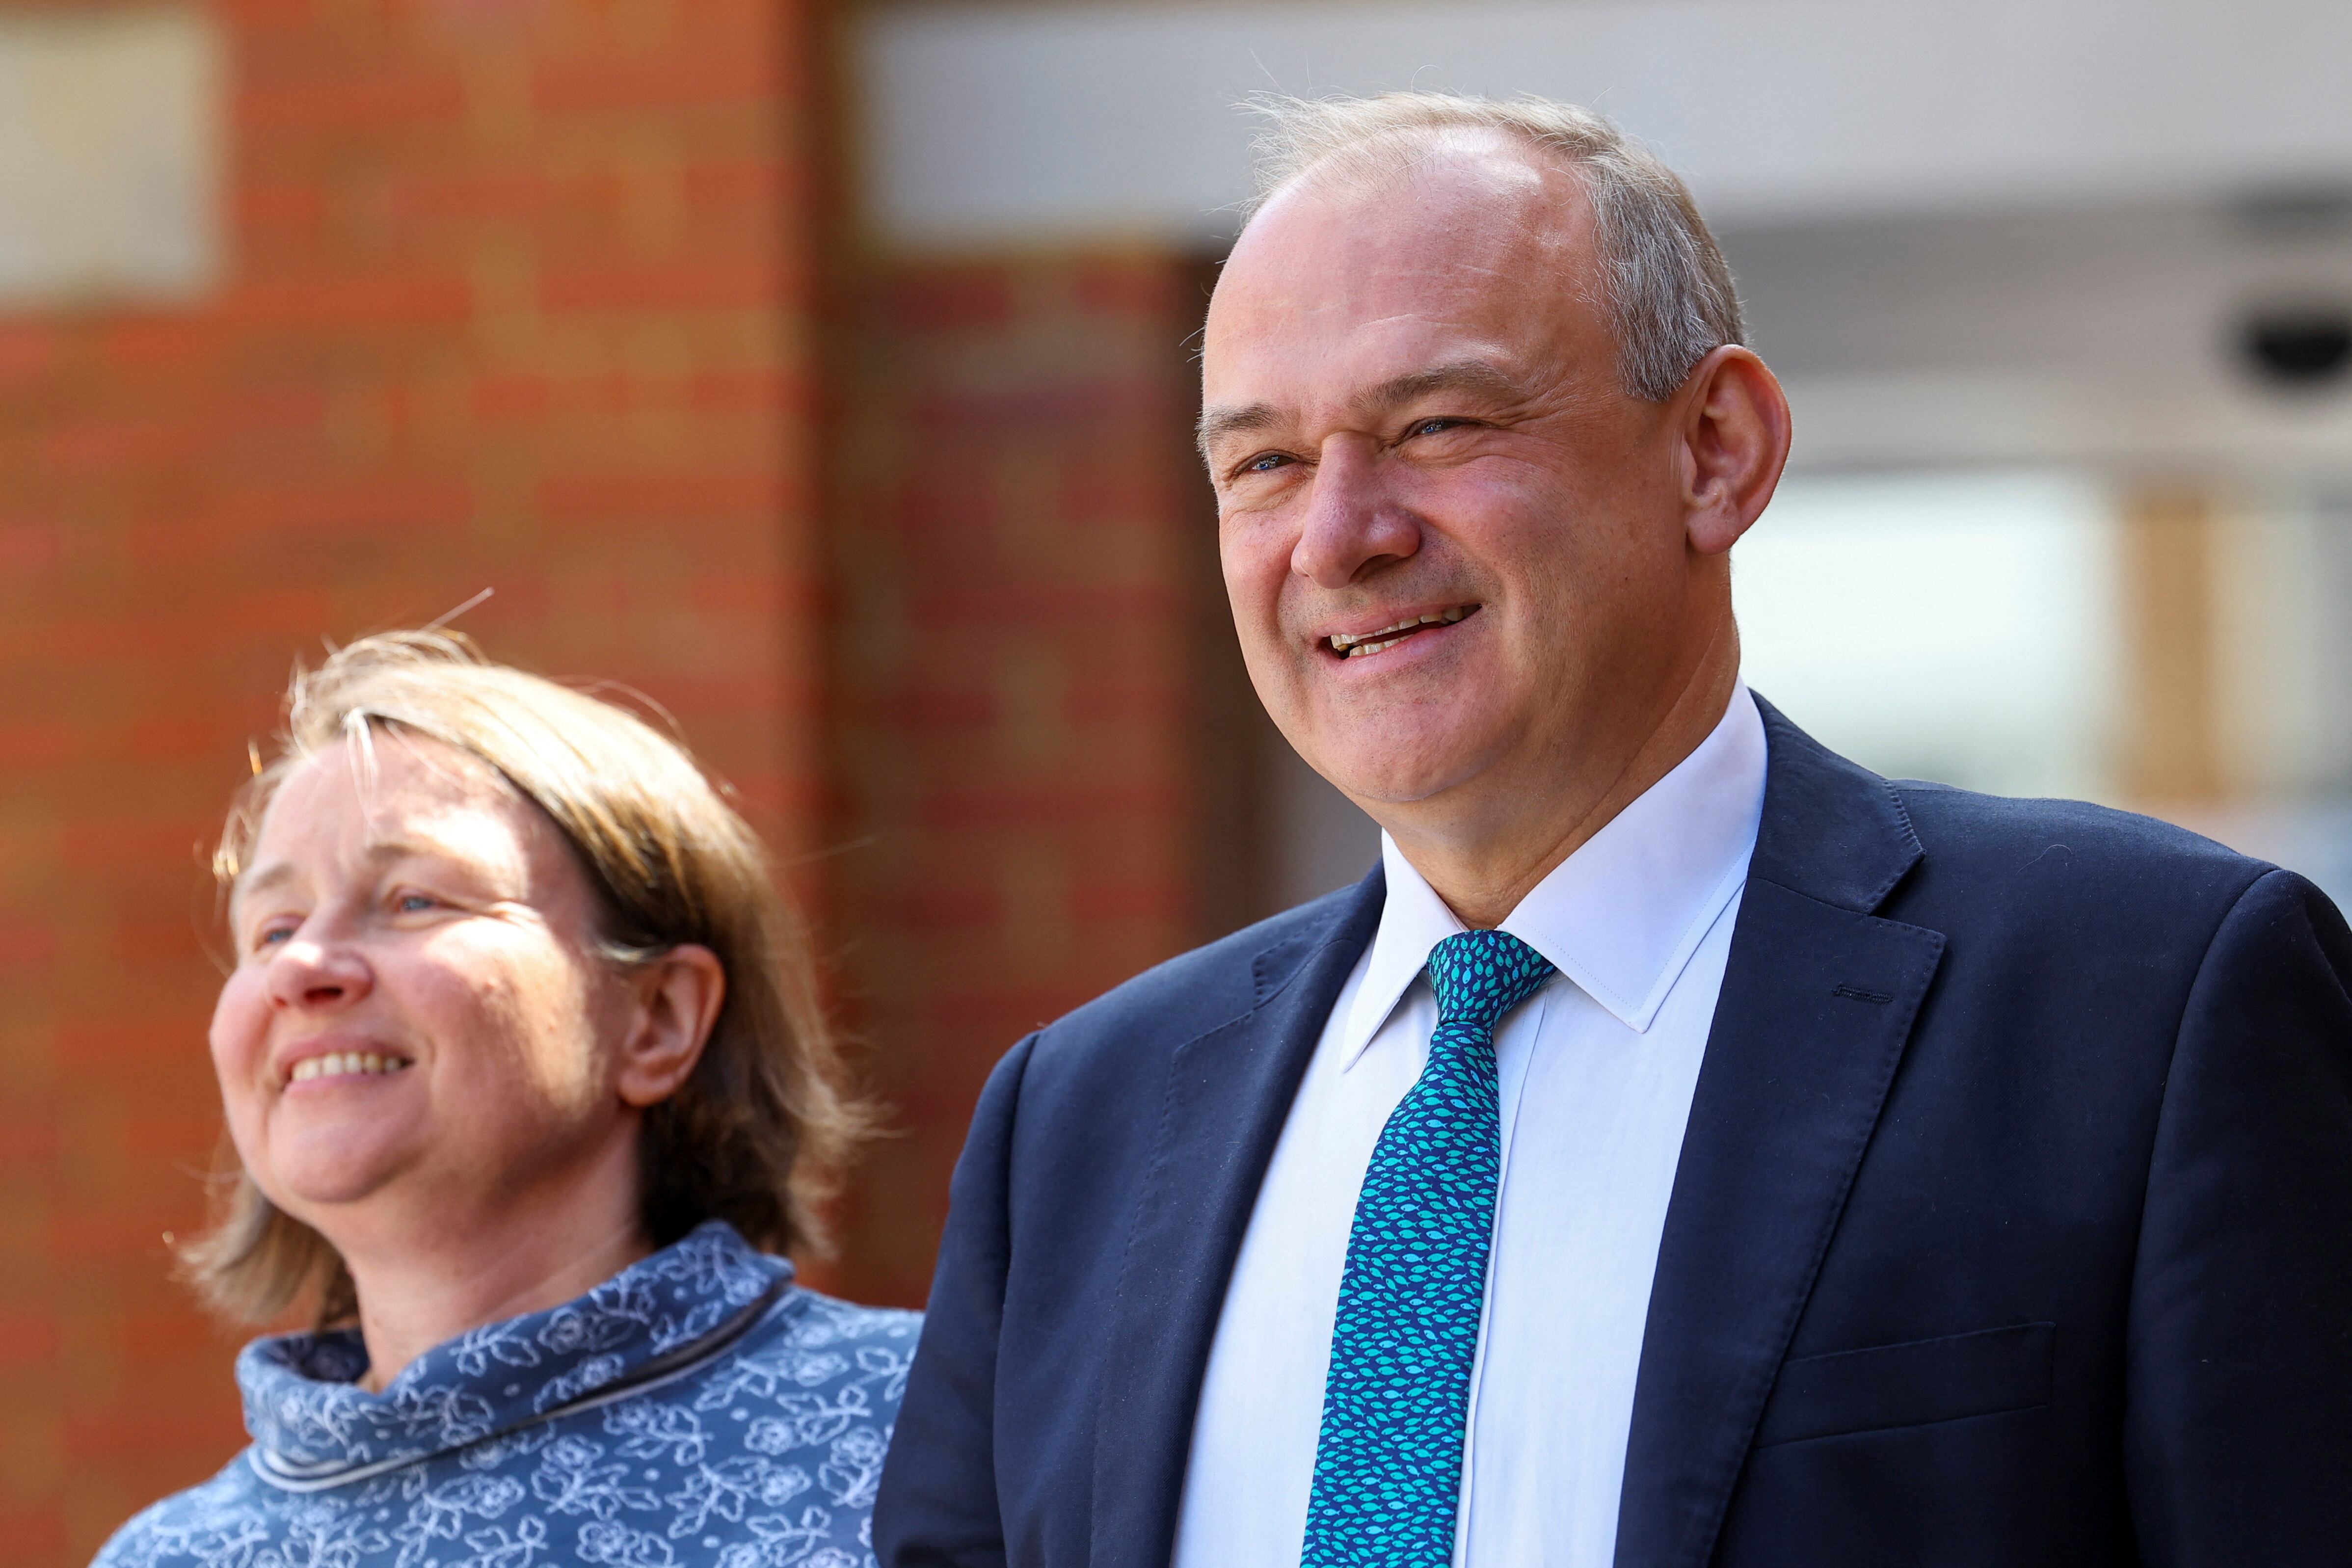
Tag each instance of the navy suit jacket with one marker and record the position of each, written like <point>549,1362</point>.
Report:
<point>2013,1223</point>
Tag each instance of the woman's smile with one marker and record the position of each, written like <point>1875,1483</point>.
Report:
<point>338,1066</point>
<point>341,1058</point>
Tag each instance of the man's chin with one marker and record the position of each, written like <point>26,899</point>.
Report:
<point>1401,776</point>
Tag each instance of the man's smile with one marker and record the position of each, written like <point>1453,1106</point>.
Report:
<point>1365,644</point>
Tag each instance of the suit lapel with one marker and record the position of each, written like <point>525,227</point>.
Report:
<point>1818,998</point>
<point>1228,1094</point>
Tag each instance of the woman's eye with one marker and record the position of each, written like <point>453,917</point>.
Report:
<point>413,904</point>
<point>270,936</point>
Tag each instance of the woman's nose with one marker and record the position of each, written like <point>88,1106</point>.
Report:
<point>1352,525</point>
<point>317,971</point>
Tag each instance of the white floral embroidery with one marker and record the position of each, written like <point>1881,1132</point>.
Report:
<point>623,1547</point>
<point>494,1548</point>
<point>439,1513</point>
<point>879,1362</point>
<point>585,1378</point>
<point>521,1445</point>
<point>648,1430</point>
<point>730,1487</point>
<point>778,1542</point>
<point>570,1480</point>
<point>476,1349</point>
<point>854,1470</point>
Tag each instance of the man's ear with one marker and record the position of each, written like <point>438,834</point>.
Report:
<point>1734,428</point>
<point>677,998</point>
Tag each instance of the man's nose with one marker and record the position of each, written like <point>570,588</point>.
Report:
<point>317,969</point>
<point>1353,523</point>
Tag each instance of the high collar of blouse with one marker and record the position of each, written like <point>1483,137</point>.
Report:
<point>309,1420</point>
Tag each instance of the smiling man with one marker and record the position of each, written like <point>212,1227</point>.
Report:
<point>1685,1145</point>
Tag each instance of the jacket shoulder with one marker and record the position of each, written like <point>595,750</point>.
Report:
<point>2069,856</point>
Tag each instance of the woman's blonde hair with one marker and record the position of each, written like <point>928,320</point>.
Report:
<point>759,1128</point>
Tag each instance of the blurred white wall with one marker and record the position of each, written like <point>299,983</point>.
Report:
<point>1030,122</point>
<point>1969,231</point>
<point>112,139</point>
<point>2103,334</point>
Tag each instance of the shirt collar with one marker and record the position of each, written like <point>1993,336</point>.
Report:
<point>1620,917</point>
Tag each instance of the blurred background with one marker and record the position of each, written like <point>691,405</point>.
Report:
<point>823,371</point>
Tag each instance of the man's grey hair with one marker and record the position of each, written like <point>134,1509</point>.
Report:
<point>1670,295</point>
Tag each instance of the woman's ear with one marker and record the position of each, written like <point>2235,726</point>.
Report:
<point>678,1000</point>
<point>1735,441</point>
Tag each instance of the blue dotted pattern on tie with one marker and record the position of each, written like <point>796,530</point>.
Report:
<point>1387,1467</point>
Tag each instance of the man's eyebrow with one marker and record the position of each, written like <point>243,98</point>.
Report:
<point>1475,378</point>
<point>1216,424</point>
<point>1479,378</point>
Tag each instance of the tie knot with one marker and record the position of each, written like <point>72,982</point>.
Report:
<point>1479,976</point>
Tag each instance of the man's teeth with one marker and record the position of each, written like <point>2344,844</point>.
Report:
<point>1388,637</point>
<point>344,1063</point>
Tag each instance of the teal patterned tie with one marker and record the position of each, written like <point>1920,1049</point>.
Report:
<point>1387,1468</point>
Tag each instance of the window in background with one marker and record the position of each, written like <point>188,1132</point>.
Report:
<point>2283,616</point>
<point>111,145</point>
<point>1955,626</point>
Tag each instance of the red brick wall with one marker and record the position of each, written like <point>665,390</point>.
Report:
<point>518,298</point>
<point>1030,670</point>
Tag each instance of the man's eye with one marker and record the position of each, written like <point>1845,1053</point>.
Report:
<point>1265,463</point>
<point>1433,426</point>
<point>413,904</point>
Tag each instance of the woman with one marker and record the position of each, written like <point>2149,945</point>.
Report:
<point>527,1088</point>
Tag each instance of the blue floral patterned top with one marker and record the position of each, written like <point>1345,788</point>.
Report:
<point>697,1408</point>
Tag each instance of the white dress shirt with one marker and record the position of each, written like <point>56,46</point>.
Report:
<point>1597,1070</point>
